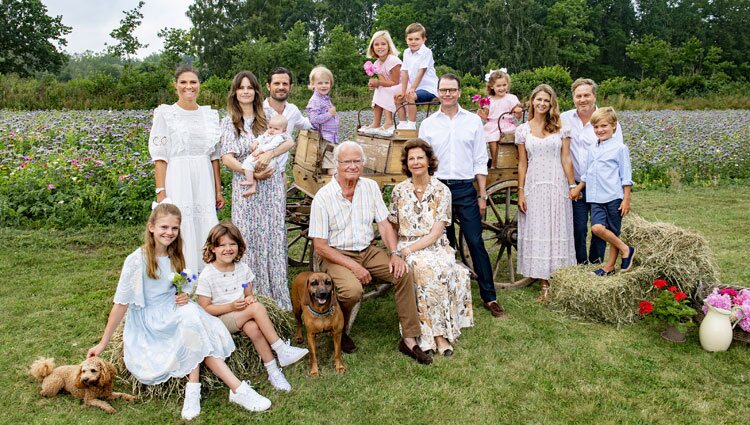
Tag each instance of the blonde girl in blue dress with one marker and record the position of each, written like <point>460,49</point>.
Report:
<point>165,335</point>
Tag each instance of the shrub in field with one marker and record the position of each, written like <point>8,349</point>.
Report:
<point>556,76</point>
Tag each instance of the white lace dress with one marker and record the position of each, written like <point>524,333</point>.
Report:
<point>188,142</point>
<point>545,232</point>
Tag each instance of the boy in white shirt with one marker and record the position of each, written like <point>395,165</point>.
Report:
<point>418,78</point>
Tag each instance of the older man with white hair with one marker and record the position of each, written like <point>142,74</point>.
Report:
<point>341,219</point>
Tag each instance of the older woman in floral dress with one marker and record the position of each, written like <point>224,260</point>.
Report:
<point>260,217</point>
<point>420,210</point>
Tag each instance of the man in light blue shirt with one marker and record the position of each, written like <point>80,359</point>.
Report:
<point>581,138</point>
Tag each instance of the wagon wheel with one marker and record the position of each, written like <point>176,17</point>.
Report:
<point>299,245</point>
<point>500,235</point>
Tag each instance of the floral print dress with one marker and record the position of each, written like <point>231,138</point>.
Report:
<point>443,286</point>
<point>261,219</point>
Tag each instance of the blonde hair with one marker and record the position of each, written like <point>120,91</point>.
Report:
<point>604,114</point>
<point>318,72</point>
<point>174,250</point>
<point>416,27</point>
<point>496,75</point>
<point>392,50</point>
<point>552,120</point>
<point>279,120</point>
<point>224,228</point>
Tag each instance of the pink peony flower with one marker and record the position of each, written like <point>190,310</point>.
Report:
<point>718,301</point>
<point>728,291</point>
<point>371,69</point>
<point>743,297</point>
<point>745,312</point>
<point>476,98</point>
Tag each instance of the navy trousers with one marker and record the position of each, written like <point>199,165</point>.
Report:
<point>581,211</point>
<point>466,210</point>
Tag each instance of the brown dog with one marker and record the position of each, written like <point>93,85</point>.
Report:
<point>314,301</point>
<point>90,381</point>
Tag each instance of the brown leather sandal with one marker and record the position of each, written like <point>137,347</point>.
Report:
<point>544,292</point>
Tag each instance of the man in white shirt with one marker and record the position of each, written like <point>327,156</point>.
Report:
<point>279,85</point>
<point>341,218</point>
<point>581,138</point>
<point>457,137</point>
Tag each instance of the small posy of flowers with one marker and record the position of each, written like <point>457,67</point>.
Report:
<point>729,299</point>
<point>670,306</point>
<point>184,281</point>
<point>483,102</point>
<point>371,69</point>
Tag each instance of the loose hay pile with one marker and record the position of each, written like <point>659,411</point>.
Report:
<point>244,361</point>
<point>664,250</point>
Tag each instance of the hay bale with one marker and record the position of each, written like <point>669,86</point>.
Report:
<point>664,250</point>
<point>244,361</point>
<point>679,255</point>
<point>580,294</point>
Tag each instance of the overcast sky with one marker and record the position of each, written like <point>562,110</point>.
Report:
<point>93,20</point>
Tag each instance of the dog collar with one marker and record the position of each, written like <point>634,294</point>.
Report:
<point>321,315</point>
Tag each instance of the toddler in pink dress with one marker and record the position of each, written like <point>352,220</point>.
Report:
<point>501,102</point>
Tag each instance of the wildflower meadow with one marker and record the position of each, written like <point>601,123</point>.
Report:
<point>73,168</point>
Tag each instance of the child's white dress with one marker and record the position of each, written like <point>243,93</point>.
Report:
<point>163,340</point>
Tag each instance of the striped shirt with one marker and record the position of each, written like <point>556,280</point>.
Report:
<point>347,225</point>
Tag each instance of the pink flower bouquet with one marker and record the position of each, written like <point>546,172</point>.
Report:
<point>728,298</point>
<point>371,69</point>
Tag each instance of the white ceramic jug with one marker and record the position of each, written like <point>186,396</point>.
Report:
<point>715,332</point>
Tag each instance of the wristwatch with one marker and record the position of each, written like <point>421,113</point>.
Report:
<point>160,190</point>
<point>397,254</point>
<point>483,196</point>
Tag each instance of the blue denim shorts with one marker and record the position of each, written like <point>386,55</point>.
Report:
<point>424,96</point>
<point>607,215</point>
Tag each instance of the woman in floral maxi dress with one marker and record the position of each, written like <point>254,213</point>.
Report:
<point>261,216</point>
<point>420,210</point>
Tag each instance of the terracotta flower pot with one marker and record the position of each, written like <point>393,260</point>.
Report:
<point>672,334</point>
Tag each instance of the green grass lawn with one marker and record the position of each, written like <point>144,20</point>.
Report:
<point>535,367</point>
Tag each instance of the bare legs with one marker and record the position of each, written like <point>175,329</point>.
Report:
<point>616,246</point>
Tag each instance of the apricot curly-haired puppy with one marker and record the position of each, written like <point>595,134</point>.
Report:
<point>91,381</point>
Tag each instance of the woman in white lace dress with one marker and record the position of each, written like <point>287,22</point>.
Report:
<point>184,147</point>
<point>545,178</point>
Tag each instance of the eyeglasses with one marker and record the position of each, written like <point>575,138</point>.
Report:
<point>349,162</point>
<point>448,91</point>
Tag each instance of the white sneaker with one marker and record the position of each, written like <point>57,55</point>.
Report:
<point>289,355</point>
<point>191,406</point>
<point>403,125</point>
<point>366,129</point>
<point>278,380</point>
<point>249,399</point>
<point>410,125</point>
<point>385,132</point>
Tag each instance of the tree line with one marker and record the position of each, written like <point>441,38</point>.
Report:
<point>638,47</point>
